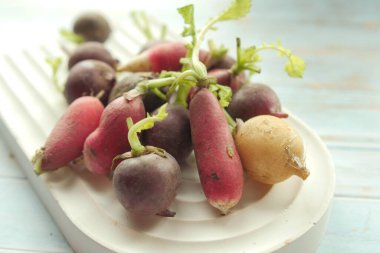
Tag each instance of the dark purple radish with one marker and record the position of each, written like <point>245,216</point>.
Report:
<point>147,184</point>
<point>147,178</point>
<point>110,138</point>
<point>253,100</point>
<point>173,134</point>
<point>91,50</point>
<point>92,27</point>
<point>227,78</point>
<point>66,140</point>
<point>219,166</point>
<point>129,82</point>
<point>89,77</point>
<point>225,63</point>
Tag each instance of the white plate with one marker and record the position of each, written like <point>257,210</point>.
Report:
<point>288,217</point>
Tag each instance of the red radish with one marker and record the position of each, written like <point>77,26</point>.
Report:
<point>227,78</point>
<point>66,140</point>
<point>163,56</point>
<point>218,162</point>
<point>111,137</point>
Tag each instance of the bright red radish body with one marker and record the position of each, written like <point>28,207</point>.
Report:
<point>110,138</point>
<point>66,140</point>
<point>218,161</point>
<point>163,56</point>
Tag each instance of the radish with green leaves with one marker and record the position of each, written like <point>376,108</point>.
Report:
<point>163,56</point>
<point>152,99</point>
<point>110,138</point>
<point>147,178</point>
<point>221,178</point>
<point>66,140</point>
<point>218,162</point>
<point>172,134</point>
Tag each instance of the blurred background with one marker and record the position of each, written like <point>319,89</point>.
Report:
<point>339,96</point>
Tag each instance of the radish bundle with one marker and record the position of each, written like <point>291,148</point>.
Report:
<point>200,100</point>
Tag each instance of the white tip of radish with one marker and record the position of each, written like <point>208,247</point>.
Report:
<point>224,206</point>
<point>140,63</point>
<point>302,172</point>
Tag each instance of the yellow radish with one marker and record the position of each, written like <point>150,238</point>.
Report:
<point>270,149</point>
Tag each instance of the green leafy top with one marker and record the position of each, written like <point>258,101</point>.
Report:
<point>238,9</point>
<point>71,36</point>
<point>223,93</point>
<point>55,64</point>
<point>187,13</point>
<point>140,19</point>
<point>247,59</point>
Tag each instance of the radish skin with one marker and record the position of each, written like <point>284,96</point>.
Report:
<point>111,137</point>
<point>227,78</point>
<point>218,162</point>
<point>163,56</point>
<point>66,140</point>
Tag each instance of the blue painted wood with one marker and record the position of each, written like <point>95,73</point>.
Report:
<point>25,224</point>
<point>354,227</point>
<point>8,166</point>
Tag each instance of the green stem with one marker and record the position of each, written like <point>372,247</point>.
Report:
<point>231,122</point>
<point>182,94</point>
<point>179,79</point>
<point>279,49</point>
<point>155,83</point>
<point>159,94</point>
<point>198,66</point>
<point>137,148</point>
<point>164,32</point>
<point>144,29</point>
<point>236,68</point>
<point>147,85</point>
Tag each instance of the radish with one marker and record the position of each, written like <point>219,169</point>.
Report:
<point>217,159</point>
<point>92,26</point>
<point>147,178</point>
<point>227,78</point>
<point>110,138</point>
<point>270,149</point>
<point>129,81</point>
<point>172,134</point>
<point>163,56</point>
<point>253,100</point>
<point>91,50</point>
<point>89,77</point>
<point>66,140</point>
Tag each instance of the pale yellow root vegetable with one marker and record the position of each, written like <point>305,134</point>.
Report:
<point>270,149</point>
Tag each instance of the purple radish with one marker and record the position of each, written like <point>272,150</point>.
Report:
<point>253,100</point>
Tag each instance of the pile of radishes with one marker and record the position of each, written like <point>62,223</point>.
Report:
<point>139,121</point>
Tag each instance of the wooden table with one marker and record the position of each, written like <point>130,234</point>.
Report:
<point>339,97</point>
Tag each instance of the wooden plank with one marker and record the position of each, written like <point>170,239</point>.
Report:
<point>354,226</point>
<point>24,222</point>
<point>9,167</point>
<point>357,172</point>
